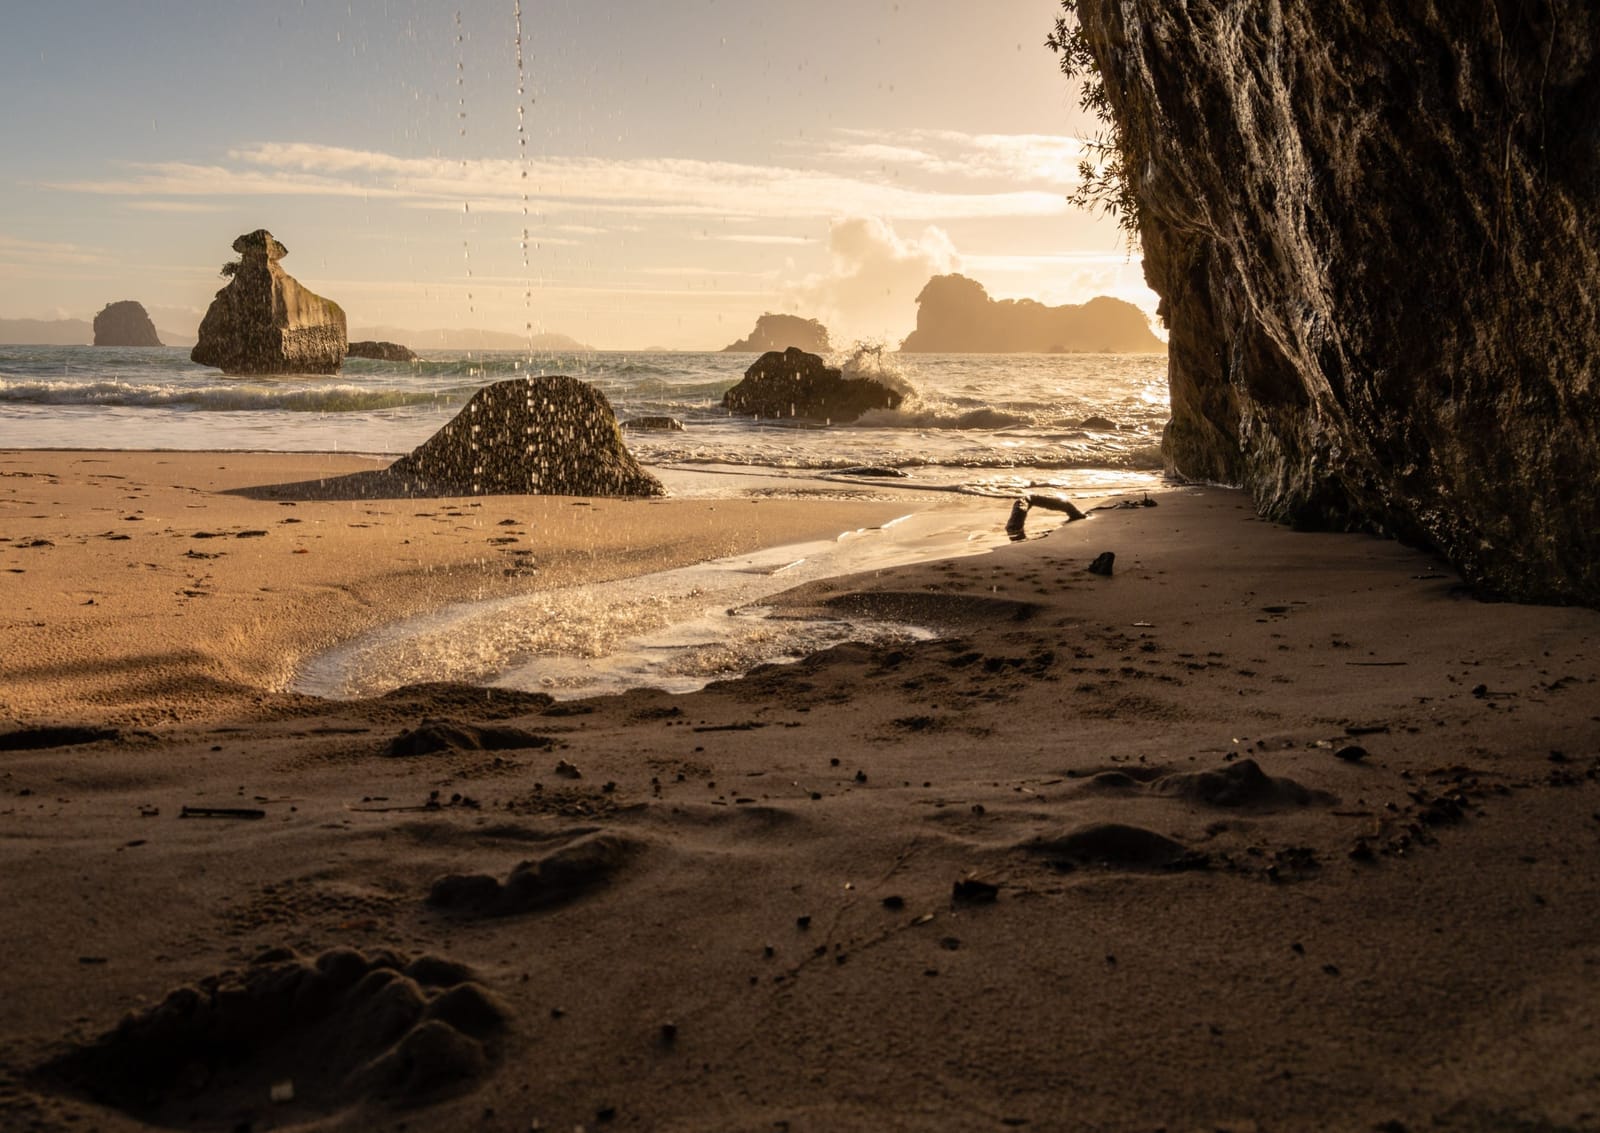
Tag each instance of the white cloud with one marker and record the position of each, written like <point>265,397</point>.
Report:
<point>701,271</point>
<point>870,288</point>
<point>754,239</point>
<point>14,250</point>
<point>1034,159</point>
<point>641,187</point>
<point>174,206</point>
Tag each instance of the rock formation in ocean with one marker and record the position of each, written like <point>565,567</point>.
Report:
<point>1374,236</point>
<point>956,316</point>
<point>552,436</point>
<point>264,322</point>
<point>125,323</point>
<point>780,332</point>
<point>797,384</point>
<point>381,351</point>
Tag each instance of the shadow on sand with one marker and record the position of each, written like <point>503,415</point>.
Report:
<point>379,484</point>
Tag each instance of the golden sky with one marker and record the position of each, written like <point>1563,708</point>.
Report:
<point>651,174</point>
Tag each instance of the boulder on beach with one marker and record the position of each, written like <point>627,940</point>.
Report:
<point>552,436</point>
<point>264,322</point>
<point>797,384</point>
<point>125,324</point>
<point>381,351</point>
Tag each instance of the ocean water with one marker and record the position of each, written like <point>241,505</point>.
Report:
<point>970,426</point>
<point>989,424</point>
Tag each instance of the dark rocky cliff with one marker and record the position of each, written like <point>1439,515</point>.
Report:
<point>1373,228</point>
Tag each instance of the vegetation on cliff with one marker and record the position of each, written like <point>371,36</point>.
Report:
<point>1375,248</point>
<point>1104,184</point>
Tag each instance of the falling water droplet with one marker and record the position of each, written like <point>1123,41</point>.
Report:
<point>523,102</point>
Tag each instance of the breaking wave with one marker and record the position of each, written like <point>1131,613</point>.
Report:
<point>226,398</point>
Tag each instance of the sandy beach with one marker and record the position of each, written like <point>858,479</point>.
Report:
<point>1264,830</point>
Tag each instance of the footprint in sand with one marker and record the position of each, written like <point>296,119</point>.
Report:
<point>36,739</point>
<point>1114,845</point>
<point>1242,784</point>
<point>288,1039</point>
<point>449,735</point>
<point>563,875</point>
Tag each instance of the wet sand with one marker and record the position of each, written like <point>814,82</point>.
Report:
<point>148,587</point>
<point>1265,830</point>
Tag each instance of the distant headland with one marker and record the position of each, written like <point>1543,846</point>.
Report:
<point>780,332</point>
<point>955,315</point>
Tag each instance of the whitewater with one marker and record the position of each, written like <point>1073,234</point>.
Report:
<point>990,424</point>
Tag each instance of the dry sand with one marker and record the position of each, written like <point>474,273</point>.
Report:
<point>1264,831</point>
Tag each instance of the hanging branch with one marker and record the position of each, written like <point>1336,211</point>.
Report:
<point>1103,184</point>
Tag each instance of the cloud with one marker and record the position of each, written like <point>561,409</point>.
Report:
<point>174,206</point>
<point>640,187</point>
<point>14,250</point>
<point>1070,277</point>
<point>1044,160</point>
<point>870,288</point>
<point>754,239</point>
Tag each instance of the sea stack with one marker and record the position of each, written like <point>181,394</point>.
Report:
<point>264,322</point>
<point>124,324</point>
<point>550,436</point>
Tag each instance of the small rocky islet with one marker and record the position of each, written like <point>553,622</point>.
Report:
<point>265,322</point>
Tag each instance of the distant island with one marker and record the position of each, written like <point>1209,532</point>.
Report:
<point>458,338</point>
<point>956,316</point>
<point>125,323</point>
<point>779,332</point>
<point>65,332</point>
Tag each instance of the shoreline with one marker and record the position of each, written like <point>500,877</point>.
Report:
<point>1265,829</point>
<point>192,598</point>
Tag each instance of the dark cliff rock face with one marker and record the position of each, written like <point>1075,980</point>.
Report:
<point>780,332</point>
<point>1374,232</point>
<point>955,316</point>
<point>381,351</point>
<point>797,384</point>
<point>552,436</point>
<point>125,324</point>
<point>264,322</point>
